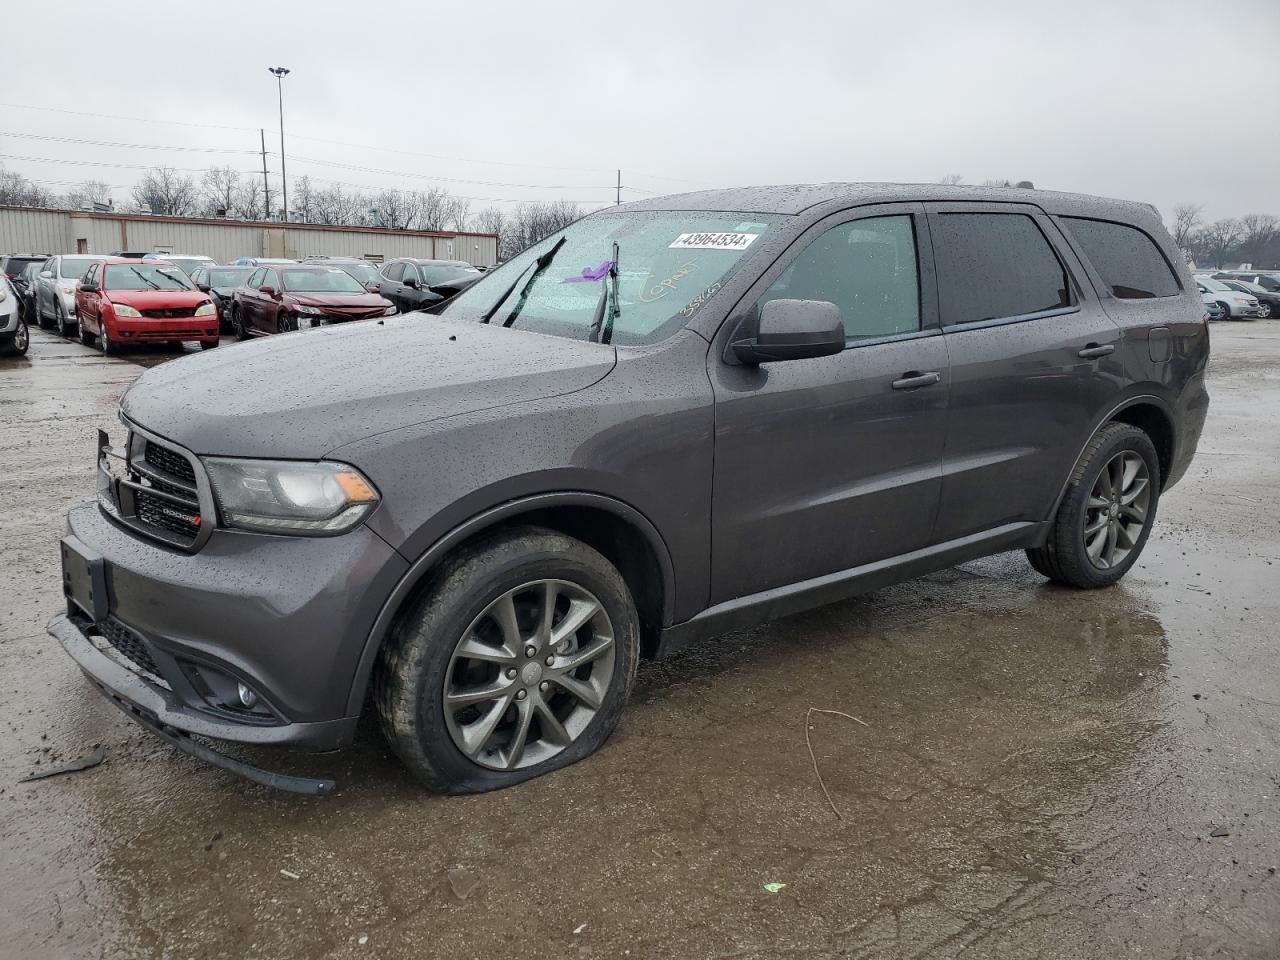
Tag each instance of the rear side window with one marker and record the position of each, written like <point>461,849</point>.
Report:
<point>395,272</point>
<point>995,265</point>
<point>1128,261</point>
<point>867,268</point>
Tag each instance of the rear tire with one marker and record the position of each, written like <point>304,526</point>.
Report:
<point>1096,534</point>
<point>429,661</point>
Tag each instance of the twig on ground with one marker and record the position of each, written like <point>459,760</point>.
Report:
<point>808,742</point>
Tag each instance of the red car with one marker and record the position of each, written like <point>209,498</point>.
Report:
<point>121,301</point>
<point>283,297</point>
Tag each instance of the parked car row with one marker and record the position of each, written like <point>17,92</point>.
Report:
<point>142,296</point>
<point>1235,303</point>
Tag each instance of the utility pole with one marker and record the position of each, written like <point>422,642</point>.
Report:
<point>618,199</point>
<point>266,189</point>
<point>280,73</point>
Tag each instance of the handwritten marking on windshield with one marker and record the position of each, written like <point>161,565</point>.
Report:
<point>659,290</point>
<point>694,305</point>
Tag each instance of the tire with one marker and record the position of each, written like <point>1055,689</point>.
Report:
<point>426,654</point>
<point>109,347</point>
<point>237,327</point>
<point>1264,311</point>
<point>1226,311</point>
<point>208,344</point>
<point>86,337</point>
<point>62,321</point>
<point>1068,555</point>
<point>41,320</point>
<point>17,347</point>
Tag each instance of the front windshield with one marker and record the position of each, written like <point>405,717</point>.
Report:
<point>73,268</point>
<point>434,273</point>
<point>364,273</point>
<point>1216,285</point>
<point>669,264</point>
<point>323,280</point>
<point>144,276</point>
<point>228,276</point>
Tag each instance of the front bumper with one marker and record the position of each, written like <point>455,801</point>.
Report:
<point>289,616</point>
<point>148,329</point>
<point>9,319</point>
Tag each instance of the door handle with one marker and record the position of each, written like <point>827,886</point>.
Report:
<point>1094,350</point>
<point>913,380</point>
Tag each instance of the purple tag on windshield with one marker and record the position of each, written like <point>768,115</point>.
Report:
<point>589,275</point>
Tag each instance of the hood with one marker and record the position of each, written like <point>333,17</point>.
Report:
<point>301,395</point>
<point>362,301</point>
<point>157,299</point>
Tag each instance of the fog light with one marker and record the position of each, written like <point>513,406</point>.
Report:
<point>247,697</point>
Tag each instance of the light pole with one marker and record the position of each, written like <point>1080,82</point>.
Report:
<point>280,73</point>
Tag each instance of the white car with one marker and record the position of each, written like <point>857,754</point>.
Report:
<point>188,263</point>
<point>56,291</point>
<point>1236,304</point>
<point>14,337</point>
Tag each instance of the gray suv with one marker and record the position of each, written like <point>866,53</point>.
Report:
<point>672,418</point>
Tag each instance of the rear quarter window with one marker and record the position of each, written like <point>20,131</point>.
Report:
<point>1129,262</point>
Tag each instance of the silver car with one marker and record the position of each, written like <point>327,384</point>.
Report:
<point>56,291</point>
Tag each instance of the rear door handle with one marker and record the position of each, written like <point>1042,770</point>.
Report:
<point>1095,350</point>
<point>914,381</point>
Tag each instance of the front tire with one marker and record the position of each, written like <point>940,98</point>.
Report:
<point>21,341</point>
<point>62,320</point>
<point>109,347</point>
<point>86,337</point>
<point>1226,311</point>
<point>237,325</point>
<point>1107,512</point>
<point>1264,311</point>
<point>515,661</point>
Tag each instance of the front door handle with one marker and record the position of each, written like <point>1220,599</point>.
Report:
<point>914,380</point>
<point>1094,350</point>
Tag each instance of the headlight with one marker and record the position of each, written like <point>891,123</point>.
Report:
<point>206,310</point>
<point>391,311</point>
<point>281,496</point>
<point>124,310</point>
<point>310,311</point>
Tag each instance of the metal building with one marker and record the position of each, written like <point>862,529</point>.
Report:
<point>32,230</point>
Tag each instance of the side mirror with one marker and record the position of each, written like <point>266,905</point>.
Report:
<point>88,287</point>
<point>793,330</point>
<point>202,287</point>
<point>268,289</point>
<point>411,283</point>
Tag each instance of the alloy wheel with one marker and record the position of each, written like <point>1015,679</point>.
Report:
<point>529,674</point>
<point>21,337</point>
<point>1264,311</point>
<point>1117,510</point>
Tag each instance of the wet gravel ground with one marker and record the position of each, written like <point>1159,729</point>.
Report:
<point>1038,772</point>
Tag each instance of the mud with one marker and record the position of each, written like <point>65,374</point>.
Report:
<point>1041,773</point>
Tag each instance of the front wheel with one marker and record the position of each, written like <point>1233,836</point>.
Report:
<point>21,341</point>
<point>1264,311</point>
<point>63,321</point>
<point>109,347</point>
<point>516,661</point>
<point>85,336</point>
<point>237,323</point>
<point>1106,514</point>
<point>208,344</point>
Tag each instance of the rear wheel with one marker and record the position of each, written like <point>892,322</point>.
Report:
<point>1106,514</point>
<point>516,661</point>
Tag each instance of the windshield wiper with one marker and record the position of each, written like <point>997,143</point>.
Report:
<point>607,306</point>
<point>538,266</point>
<point>145,279</point>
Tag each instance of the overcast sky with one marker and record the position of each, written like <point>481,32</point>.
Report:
<point>1158,100</point>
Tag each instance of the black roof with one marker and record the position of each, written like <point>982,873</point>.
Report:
<point>791,199</point>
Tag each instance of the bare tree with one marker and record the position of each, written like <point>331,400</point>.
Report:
<point>304,201</point>
<point>397,209</point>
<point>1186,221</point>
<point>1258,233</point>
<point>951,179</point>
<point>459,213</point>
<point>219,189</point>
<point>333,206</point>
<point>16,190</point>
<point>165,192</point>
<point>532,222</point>
<point>435,208</point>
<point>1218,239</point>
<point>86,195</point>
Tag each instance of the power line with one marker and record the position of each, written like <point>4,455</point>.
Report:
<point>359,168</point>
<point>112,116</point>
<point>98,163</point>
<point>126,146</point>
<point>435,156</point>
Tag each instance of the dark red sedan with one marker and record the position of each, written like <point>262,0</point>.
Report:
<point>284,297</point>
<point>121,301</point>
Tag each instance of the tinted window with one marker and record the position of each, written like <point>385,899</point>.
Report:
<point>1128,261</point>
<point>995,265</point>
<point>395,272</point>
<point>410,273</point>
<point>866,268</point>
<point>443,273</point>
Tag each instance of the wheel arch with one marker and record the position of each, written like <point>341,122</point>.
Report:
<point>1149,413</point>
<point>624,535</point>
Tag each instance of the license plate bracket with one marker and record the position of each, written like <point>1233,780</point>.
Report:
<point>84,578</point>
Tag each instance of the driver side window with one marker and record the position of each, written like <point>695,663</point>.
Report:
<point>867,268</point>
<point>395,272</point>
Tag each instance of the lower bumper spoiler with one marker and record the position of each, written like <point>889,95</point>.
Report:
<point>146,705</point>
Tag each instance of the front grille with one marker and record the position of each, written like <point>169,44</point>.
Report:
<point>169,314</point>
<point>171,462</point>
<point>128,643</point>
<point>156,492</point>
